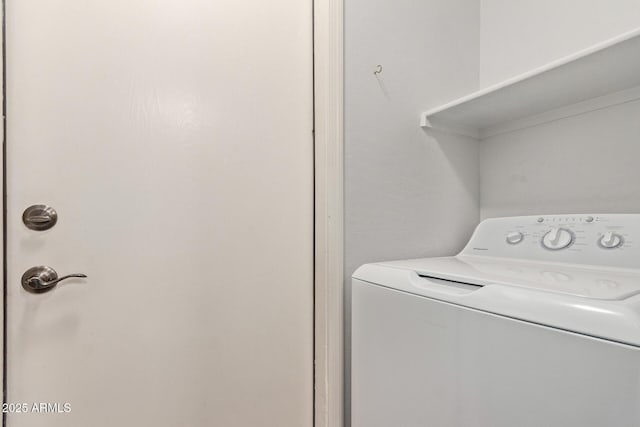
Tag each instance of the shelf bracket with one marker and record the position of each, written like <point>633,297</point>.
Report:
<point>429,123</point>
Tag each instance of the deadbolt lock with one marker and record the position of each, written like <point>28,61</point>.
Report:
<point>39,217</point>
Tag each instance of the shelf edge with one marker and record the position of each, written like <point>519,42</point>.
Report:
<point>583,107</point>
<point>536,71</point>
<point>572,110</point>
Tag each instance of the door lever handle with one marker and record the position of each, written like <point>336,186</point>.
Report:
<point>42,279</point>
<point>38,283</point>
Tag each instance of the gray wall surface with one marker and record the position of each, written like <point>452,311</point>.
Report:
<point>411,194</point>
<point>587,163</point>
<point>517,36</point>
<point>407,194</point>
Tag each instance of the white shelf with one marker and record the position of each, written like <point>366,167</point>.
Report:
<point>603,75</point>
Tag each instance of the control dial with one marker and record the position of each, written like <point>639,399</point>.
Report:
<point>514,237</point>
<point>610,240</point>
<point>557,238</point>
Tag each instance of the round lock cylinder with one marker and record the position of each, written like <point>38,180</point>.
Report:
<point>39,217</point>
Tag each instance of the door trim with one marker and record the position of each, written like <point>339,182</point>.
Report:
<point>3,247</point>
<point>329,200</point>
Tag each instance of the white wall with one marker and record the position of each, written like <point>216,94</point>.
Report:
<point>407,194</point>
<point>518,35</point>
<point>586,163</point>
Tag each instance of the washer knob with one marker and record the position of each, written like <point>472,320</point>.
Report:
<point>557,238</point>
<point>610,240</point>
<point>514,237</point>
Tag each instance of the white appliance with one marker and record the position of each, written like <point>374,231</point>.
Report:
<point>535,323</point>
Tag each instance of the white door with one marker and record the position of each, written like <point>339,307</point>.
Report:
<point>174,140</point>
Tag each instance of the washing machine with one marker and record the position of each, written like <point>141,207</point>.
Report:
<point>536,323</point>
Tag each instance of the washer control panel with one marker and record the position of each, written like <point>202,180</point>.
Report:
<point>597,239</point>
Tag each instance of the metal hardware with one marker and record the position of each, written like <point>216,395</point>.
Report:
<point>42,279</point>
<point>39,217</point>
<point>378,70</point>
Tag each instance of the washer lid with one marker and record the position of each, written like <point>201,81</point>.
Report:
<point>578,280</point>
<point>608,310</point>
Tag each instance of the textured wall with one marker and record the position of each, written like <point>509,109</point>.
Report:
<point>407,194</point>
<point>586,163</point>
<point>519,35</point>
<point>412,194</point>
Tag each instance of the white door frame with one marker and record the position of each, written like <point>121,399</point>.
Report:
<point>3,293</point>
<point>329,241</point>
<point>328,99</point>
